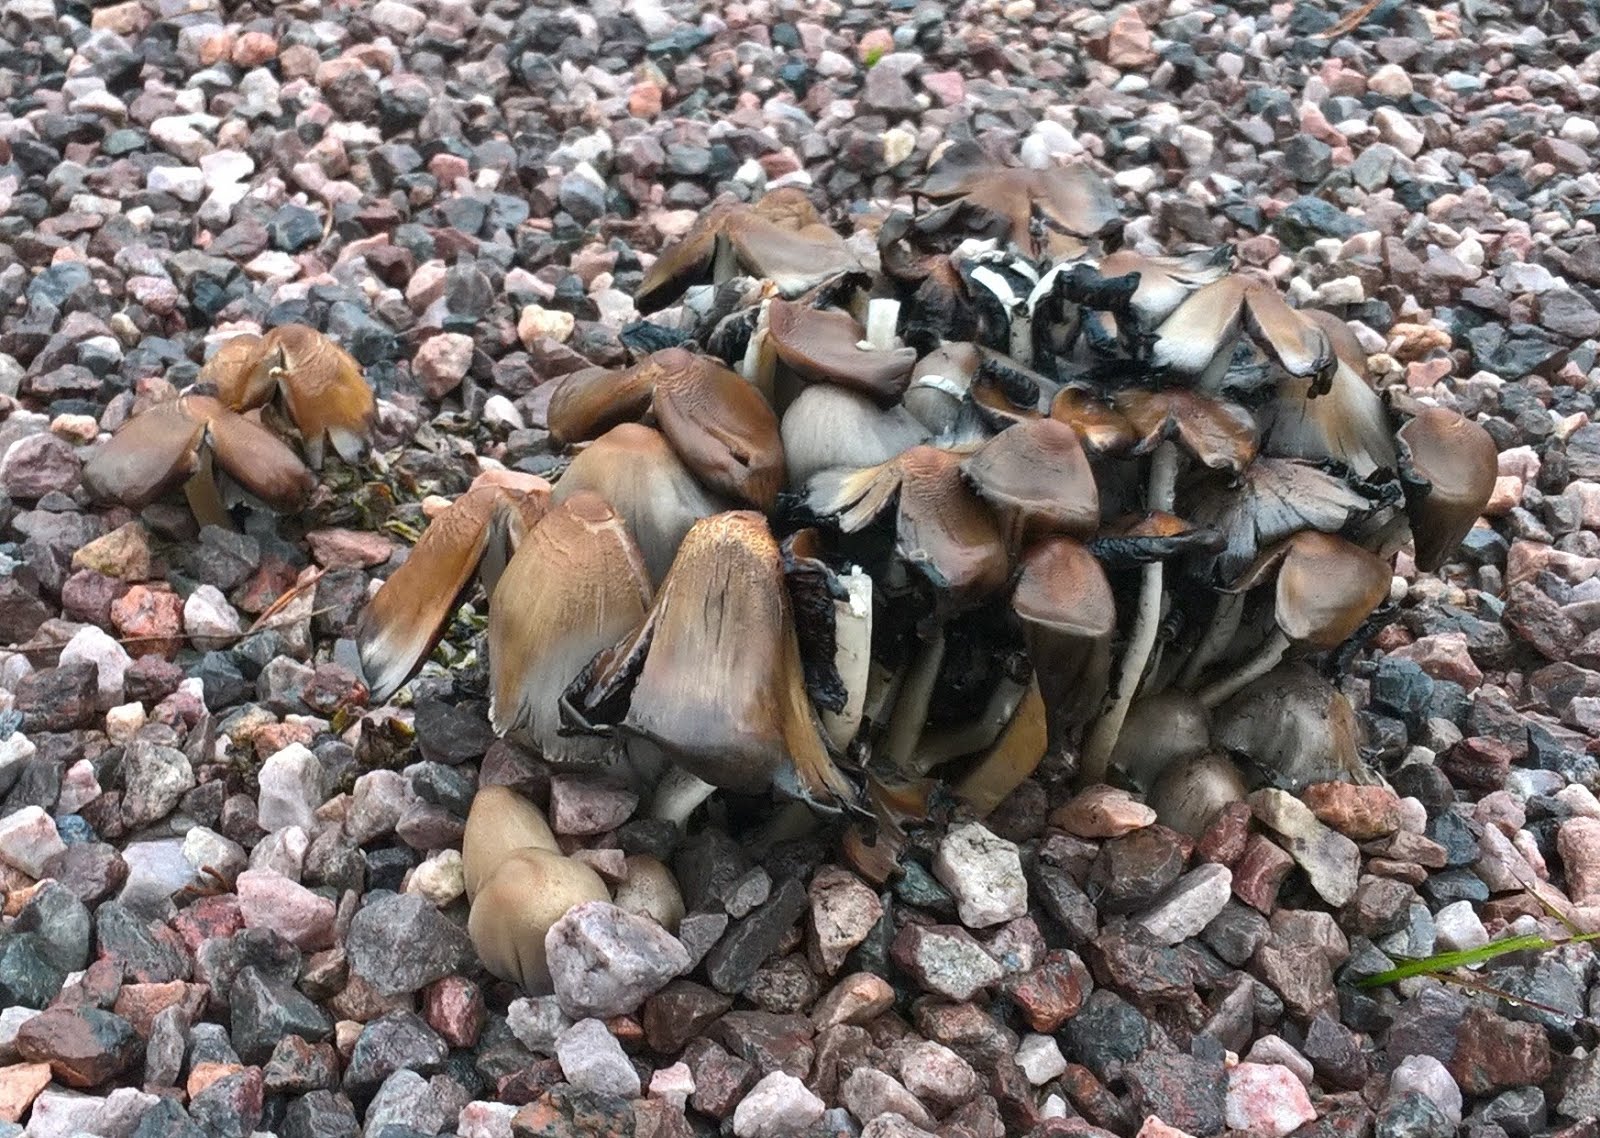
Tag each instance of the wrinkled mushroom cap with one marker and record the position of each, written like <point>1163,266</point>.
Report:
<point>823,345</point>
<point>720,425</point>
<point>1457,460</point>
<point>499,823</point>
<point>1221,435</point>
<point>1194,790</point>
<point>528,893</point>
<point>1294,728</point>
<point>650,890</point>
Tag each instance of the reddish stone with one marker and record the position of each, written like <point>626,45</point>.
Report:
<point>1052,993</point>
<point>1093,1100</point>
<point>720,1079</point>
<point>150,621</point>
<point>139,1004</point>
<point>1225,840</point>
<point>454,1008</point>
<point>20,1084</point>
<point>209,917</point>
<point>1494,1053</point>
<point>528,1084</point>
<point>1359,812</point>
<point>350,549</point>
<point>85,1047</point>
<point>1478,763</point>
<point>1260,873</point>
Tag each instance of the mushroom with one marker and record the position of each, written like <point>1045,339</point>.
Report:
<point>640,476</point>
<point>719,425</point>
<point>711,680</point>
<point>1014,756</point>
<point>1347,423</point>
<point>1448,467</point>
<point>828,346</point>
<point>516,907</point>
<point>1197,339</point>
<point>829,427</point>
<point>1326,589</point>
<point>174,443</point>
<point>780,238</point>
<point>1037,478</point>
<point>1194,790</point>
<point>649,889</point>
<point>499,823</point>
<point>1068,615</point>
<point>320,383</point>
<point>1100,427</point>
<point>1294,728</point>
<point>402,624</point>
<point>575,586</point>
<point>1165,282</point>
<point>1162,731</point>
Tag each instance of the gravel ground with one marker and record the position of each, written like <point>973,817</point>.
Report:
<point>235,892</point>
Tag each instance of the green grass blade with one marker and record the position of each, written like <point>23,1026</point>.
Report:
<point>1462,958</point>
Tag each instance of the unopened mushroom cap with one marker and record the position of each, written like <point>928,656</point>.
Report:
<point>945,530</point>
<point>650,890</point>
<point>1193,791</point>
<point>151,454</point>
<point>829,427</point>
<point>1293,728</point>
<point>823,345</point>
<point>499,823</point>
<point>589,402</point>
<point>1161,730</point>
<point>529,892</point>
<point>1457,461</point>
<point>1101,428</point>
<point>232,371</point>
<point>1062,587</point>
<point>324,389</point>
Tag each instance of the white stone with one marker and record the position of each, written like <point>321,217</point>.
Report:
<point>1432,1080</point>
<point>1040,1058</point>
<point>213,856</point>
<point>28,839</point>
<point>93,645</point>
<point>124,721</point>
<point>440,878</point>
<point>779,1106</point>
<point>1457,927</point>
<point>486,1120</point>
<point>209,620</point>
<point>1398,131</point>
<point>1190,905</point>
<point>186,183</point>
<point>673,1085</point>
<point>593,1060</point>
<point>983,872</point>
<point>291,789</point>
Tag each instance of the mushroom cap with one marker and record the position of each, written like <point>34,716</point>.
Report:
<point>232,370</point>
<point>1063,588</point>
<point>1160,731</point>
<point>402,624</point>
<point>1219,434</point>
<point>1101,428</point>
<point>1193,791</point>
<point>588,402</point>
<point>530,891</point>
<point>720,425</point>
<point>1164,282</point>
<point>1037,469</point>
<point>576,585</point>
<point>149,455</point>
<point>499,823</point>
<point>712,678</point>
<point>253,456</point>
<point>1327,586</point>
<point>1294,728</point>
<point>323,388</point>
<point>1456,461</point>
<point>637,472</point>
<point>1205,324</point>
<point>823,346</point>
<point>649,889</point>
<point>830,427</point>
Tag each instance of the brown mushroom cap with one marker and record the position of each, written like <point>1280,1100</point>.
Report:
<point>1347,423</point>
<point>1204,325</point>
<point>1100,427</point>
<point>1219,434</point>
<point>402,624</point>
<point>712,678</point>
<point>576,585</point>
<point>650,890</point>
<point>589,402</point>
<point>1193,791</point>
<point>823,345</point>
<point>323,387</point>
<point>639,474</point>
<point>232,370</point>
<point>499,823</point>
<point>1457,461</point>
<point>720,426</point>
<point>1326,588</point>
<point>530,891</point>
<point>1037,472</point>
<point>1164,282</point>
<point>1160,731</point>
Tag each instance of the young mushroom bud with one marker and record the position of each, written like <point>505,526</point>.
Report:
<point>1194,790</point>
<point>830,427</point>
<point>526,895</point>
<point>500,823</point>
<point>650,890</point>
<point>1294,728</point>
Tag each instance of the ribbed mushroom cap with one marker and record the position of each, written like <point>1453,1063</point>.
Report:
<point>1347,422</point>
<point>637,472</point>
<point>1219,434</point>
<point>576,585</point>
<point>1294,728</point>
<point>1204,326</point>
<point>824,346</point>
<point>720,426</point>
<point>530,891</point>
<point>1450,463</point>
<point>500,823</point>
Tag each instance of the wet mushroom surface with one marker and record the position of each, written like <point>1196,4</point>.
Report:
<point>879,571</point>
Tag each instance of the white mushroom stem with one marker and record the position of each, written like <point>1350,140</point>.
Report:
<point>1224,625</point>
<point>726,265</point>
<point>883,314</point>
<point>911,706</point>
<point>1147,620</point>
<point>852,656</point>
<point>1268,658</point>
<point>678,794</point>
<point>760,356</point>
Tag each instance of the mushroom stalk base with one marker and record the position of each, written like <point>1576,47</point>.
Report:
<point>677,796</point>
<point>1147,620</point>
<point>882,316</point>
<point>1264,661</point>
<point>1224,625</point>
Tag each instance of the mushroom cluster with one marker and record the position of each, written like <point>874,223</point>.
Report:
<point>882,521</point>
<point>219,426</point>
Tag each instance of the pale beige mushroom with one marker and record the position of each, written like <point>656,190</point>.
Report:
<point>528,893</point>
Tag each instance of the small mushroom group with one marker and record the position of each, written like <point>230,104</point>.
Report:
<point>519,884</point>
<point>218,426</point>
<point>868,529</point>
